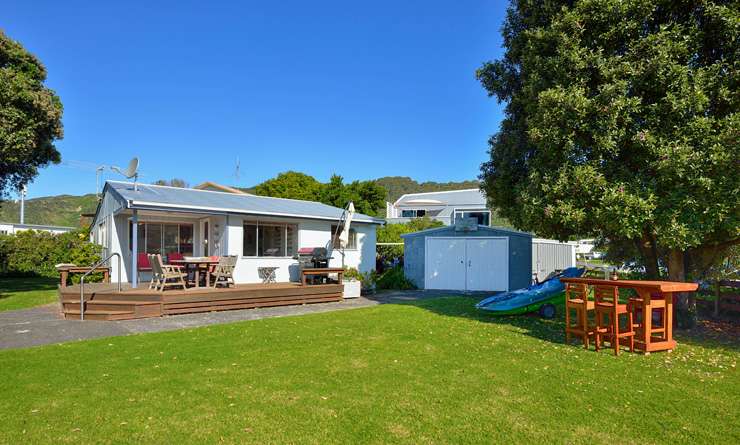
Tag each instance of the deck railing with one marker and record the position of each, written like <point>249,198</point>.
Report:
<point>92,269</point>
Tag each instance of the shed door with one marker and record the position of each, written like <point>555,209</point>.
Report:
<point>487,264</point>
<point>445,264</point>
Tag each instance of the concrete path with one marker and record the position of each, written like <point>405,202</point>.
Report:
<point>44,325</point>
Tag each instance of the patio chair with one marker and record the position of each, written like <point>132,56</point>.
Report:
<point>224,271</point>
<point>156,272</point>
<point>142,264</point>
<point>166,272</point>
<point>608,309</point>
<point>576,299</point>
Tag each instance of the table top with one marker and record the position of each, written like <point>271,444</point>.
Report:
<point>661,286</point>
<point>204,260</point>
<point>322,269</point>
<point>80,268</point>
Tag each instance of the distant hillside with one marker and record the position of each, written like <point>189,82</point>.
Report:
<point>400,185</point>
<point>61,210</point>
<point>64,210</point>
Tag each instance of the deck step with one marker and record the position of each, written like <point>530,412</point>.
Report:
<point>74,314</point>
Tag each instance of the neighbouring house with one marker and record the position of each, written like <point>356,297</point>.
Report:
<point>214,187</point>
<point>260,231</point>
<point>470,257</point>
<point>13,228</point>
<point>444,206</point>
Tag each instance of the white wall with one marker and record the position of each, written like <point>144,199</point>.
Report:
<point>550,255</point>
<point>311,233</point>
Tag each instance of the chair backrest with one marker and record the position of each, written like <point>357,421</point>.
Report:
<point>576,290</point>
<point>606,294</point>
<point>175,256</point>
<point>232,260</point>
<point>142,261</point>
<point>153,264</point>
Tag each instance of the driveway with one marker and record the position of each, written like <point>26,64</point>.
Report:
<point>44,325</point>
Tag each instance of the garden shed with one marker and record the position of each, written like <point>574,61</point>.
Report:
<point>468,257</point>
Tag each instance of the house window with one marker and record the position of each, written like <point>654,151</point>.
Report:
<point>162,238</point>
<point>351,242</point>
<point>416,213</point>
<point>483,216</point>
<point>269,239</point>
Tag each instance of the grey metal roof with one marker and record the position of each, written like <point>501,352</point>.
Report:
<point>452,197</point>
<point>184,199</point>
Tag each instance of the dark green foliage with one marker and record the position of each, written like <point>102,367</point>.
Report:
<point>393,279</point>
<point>622,122</point>
<point>368,197</point>
<point>391,233</point>
<point>292,185</point>
<point>36,253</point>
<point>30,117</point>
<point>174,182</point>
<point>62,210</point>
<point>401,185</point>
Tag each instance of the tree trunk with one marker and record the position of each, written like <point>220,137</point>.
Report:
<point>649,256</point>
<point>686,310</point>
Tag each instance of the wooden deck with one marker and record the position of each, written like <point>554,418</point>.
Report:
<point>104,302</point>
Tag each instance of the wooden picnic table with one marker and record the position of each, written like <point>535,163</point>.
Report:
<point>321,271</point>
<point>646,290</point>
<point>65,271</point>
<point>197,263</point>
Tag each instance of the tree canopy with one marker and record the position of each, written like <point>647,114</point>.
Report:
<point>368,197</point>
<point>30,117</point>
<point>621,121</point>
<point>174,182</point>
<point>292,185</point>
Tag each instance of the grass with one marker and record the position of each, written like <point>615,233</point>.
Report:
<point>435,371</point>
<point>25,292</point>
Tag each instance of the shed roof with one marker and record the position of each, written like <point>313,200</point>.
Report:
<point>445,229</point>
<point>159,197</point>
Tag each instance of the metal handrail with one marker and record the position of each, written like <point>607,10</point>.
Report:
<point>92,269</point>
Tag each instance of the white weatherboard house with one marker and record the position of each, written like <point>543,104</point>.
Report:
<point>261,231</point>
<point>446,206</point>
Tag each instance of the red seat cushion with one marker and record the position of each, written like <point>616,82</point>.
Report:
<point>142,262</point>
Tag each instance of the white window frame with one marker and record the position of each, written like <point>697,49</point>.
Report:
<point>416,213</point>
<point>456,211</point>
<point>161,238</point>
<point>333,227</point>
<point>259,224</point>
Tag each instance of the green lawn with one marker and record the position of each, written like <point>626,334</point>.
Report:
<point>20,293</point>
<point>428,372</point>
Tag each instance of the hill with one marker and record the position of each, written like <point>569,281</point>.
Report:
<point>400,185</point>
<point>61,210</point>
<point>64,210</point>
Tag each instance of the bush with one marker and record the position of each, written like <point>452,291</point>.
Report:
<point>391,233</point>
<point>36,253</point>
<point>395,279</point>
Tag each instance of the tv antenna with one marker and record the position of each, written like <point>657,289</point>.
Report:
<point>131,171</point>
<point>237,172</point>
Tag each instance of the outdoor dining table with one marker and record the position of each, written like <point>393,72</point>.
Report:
<point>197,263</point>
<point>654,294</point>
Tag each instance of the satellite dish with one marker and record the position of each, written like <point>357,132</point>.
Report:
<point>131,171</point>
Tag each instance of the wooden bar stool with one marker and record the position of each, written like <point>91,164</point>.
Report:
<point>576,299</point>
<point>636,306</point>
<point>608,310</point>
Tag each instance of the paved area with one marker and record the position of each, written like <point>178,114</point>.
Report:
<point>44,325</point>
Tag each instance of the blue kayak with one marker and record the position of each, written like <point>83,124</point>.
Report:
<point>532,298</point>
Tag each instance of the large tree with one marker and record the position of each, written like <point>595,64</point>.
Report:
<point>30,117</point>
<point>622,121</point>
<point>290,184</point>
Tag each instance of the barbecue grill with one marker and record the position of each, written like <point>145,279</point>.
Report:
<point>312,257</point>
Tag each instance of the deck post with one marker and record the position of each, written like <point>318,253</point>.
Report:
<point>134,250</point>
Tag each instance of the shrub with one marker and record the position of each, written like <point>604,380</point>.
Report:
<point>36,253</point>
<point>391,233</point>
<point>395,279</point>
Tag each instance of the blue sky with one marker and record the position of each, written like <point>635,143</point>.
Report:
<point>363,89</point>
